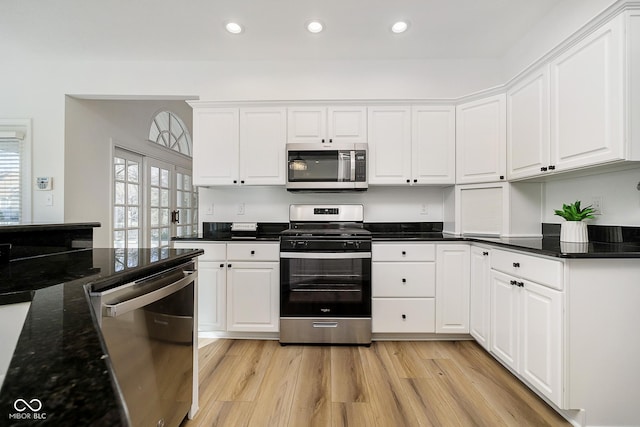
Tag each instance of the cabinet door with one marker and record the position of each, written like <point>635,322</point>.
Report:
<point>263,135</point>
<point>480,294</point>
<point>452,289</point>
<point>212,296</point>
<point>433,145</point>
<point>528,126</point>
<point>541,339</point>
<point>252,296</point>
<point>347,124</point>
<point>216,146</point>
<point>505,313</point>
<point>587,99</point>
<point>389,145</point>
<point>481,140</point>
<point>306,124</point>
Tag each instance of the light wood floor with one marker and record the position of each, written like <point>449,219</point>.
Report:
<point>390,384</point>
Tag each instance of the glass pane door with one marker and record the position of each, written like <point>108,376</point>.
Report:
<point>186,204</point>
<point>161,187</point>
<point>127,200</point>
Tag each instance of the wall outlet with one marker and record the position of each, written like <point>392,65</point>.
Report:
<point>241,209</point>
<point>423,209</point>
<point>597,204</point>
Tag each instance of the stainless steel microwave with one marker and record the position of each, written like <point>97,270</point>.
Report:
<point>324,167</point>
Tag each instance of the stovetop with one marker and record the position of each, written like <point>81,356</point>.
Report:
<point>326,230</point>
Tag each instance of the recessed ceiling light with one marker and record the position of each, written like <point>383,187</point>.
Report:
<point>314,26</point>
<point>400,27</point>
<point>233,27</point>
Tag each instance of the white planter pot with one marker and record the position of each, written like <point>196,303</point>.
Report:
<point>574,231</point>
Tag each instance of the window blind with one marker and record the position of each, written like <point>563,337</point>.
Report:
<point>10,177</point>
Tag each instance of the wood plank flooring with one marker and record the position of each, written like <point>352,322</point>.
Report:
<point>408,383</point>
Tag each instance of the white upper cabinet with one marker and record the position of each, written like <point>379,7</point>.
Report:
<point>481,140</point>
<point>239,146</point>
<point>327,124</point>
<point>433,145</point>
<point>216,133</point>
<point>411,145</point>
<point>263,136</point>
<point>389,145</point>
<point>587,99</point>
<point>528,126</point>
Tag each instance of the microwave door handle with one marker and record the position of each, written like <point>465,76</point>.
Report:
<point>353,166</point>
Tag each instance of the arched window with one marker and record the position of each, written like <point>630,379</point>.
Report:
<point>169,130</point>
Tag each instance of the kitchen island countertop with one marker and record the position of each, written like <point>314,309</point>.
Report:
<point>60,358</point>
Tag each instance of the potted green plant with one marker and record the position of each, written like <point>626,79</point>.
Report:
<point>574,229</point>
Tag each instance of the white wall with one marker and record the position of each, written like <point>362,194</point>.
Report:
<point>618,190</point>
<point>37,90</point>
<point>271,204</point>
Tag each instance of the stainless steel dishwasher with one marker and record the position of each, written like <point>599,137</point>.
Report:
<point>148,329</point>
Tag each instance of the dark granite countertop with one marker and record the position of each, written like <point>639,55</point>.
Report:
<point>60,358</point>
<point>607,241</point>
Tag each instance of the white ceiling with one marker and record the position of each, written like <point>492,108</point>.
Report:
<point>274,29</point>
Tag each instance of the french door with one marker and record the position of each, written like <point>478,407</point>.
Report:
<point>151,207</point>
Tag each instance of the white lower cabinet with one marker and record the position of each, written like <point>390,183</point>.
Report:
<point>238,286</point>
<point>480,295</point>
<point>452,288</point>
<point>253,296</point>
<point>212,284</point>
<point>403,315</point>
<point>527,324</point>
<point>253,287</point>
<point>403,279</point>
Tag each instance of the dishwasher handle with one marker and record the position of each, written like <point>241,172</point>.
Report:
<point>123,307</point>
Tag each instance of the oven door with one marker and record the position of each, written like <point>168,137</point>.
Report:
<point>325,284</point>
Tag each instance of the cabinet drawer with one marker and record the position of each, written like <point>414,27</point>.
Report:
<point>253,252</point>
<point>547,272</point>
<point>400,315</point>
<point>403,252</point>
<point>403,279</point>
<point>212,251</point>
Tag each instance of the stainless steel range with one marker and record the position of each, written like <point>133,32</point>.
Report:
<point>325,276</point>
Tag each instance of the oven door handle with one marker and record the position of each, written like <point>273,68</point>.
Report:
<point>126,306</point>
<point>326,255</point>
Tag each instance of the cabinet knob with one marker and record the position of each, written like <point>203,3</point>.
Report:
<point>322,140</point>
<point>513,283</point>
<point>253,252</point>
<point>228,265</point>
<point>501,176</point>
<point>485,253</point>
<point>516,264</point>
<point>415,180</point>
<point>404,280</point>
<point>221,265</point>
<point>242,181</point>
<point>408,181</point>
<point>404,253</point>
<point>543,169</point>
<point>552,168</point>
<point>404,317</point>
<point>235,181</point>
<point>330,140</point>
<point>520,284</point>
